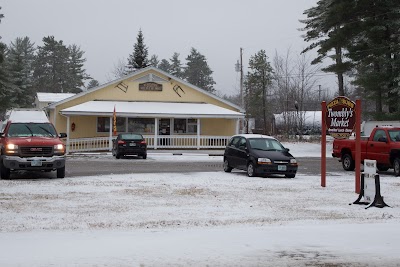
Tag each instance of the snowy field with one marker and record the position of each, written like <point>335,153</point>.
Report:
<point>197,219</point>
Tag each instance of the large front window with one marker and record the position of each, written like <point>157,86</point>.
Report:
<point>103,124</point>
<point>182,126</point>
<point>141,125</point>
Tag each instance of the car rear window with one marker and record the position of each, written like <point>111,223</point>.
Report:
<point>131,136</point>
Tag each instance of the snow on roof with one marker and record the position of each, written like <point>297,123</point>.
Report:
<point>152,109</point>
<point>53,97</point>
<point>27,115</point>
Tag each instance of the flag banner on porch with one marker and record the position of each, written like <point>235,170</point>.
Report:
<point>114,122</point>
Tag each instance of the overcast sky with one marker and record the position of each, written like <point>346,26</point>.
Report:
<point>107,30</point>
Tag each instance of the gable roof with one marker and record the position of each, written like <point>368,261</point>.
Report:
<point>52,97</point>
<point>170,76</point>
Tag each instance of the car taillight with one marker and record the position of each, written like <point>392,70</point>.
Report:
<point>121,142</point>
<point>143,142</point>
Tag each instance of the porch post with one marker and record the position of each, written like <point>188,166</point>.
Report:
<point>111,132</point>
<point>155,132</point>
<point>237,126</point>
<point>67,130</point>
<point>198,133</point>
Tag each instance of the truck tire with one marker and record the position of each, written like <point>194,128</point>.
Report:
<point>348,162</point>
<point>61,172</point>
<point>4,172</point>
<point>396,166</point>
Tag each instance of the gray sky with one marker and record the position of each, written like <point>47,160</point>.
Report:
<point>107,30</point>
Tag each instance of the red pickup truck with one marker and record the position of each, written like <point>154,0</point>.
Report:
<point>383,145</point>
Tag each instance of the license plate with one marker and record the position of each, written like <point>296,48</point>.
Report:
<point>281,167</point>
<point>36,163</point>
<point>132,144</point>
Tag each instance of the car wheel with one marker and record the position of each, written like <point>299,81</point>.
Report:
<point>348,162</point>
<point>396,166</point>
<point>251,172</point>
<point>117,155</point>
<point>382,168</point>
<point>144,156</point>
<point>227,168</point>
<point>61,172</point>
<point>290,175</point>
<point>4,172</point>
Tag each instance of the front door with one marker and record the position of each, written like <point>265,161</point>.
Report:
<point>164,128</point>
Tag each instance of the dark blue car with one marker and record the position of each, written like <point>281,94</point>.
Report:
<point>129,144</point>
<point>259,155</point>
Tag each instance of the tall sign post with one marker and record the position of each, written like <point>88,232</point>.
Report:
<point>340,118</point>
<point>358,146</point>
<point>323,146</point>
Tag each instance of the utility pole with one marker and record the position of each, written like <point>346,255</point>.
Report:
<point>239,68</point>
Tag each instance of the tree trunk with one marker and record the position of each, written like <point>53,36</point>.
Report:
<point>339,63</point>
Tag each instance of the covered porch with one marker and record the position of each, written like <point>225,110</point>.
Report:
<point>164,125</point>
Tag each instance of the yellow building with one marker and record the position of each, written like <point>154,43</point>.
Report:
<point>167,111</point>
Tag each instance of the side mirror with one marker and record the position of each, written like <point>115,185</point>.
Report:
<point>62,135</point>
<point>287,149</point>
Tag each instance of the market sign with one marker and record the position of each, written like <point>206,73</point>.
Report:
<point>340,117</point>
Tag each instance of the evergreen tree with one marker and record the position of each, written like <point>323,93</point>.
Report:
<point>7,89</point>
<point>324,25</point>
<point>154,61</point>
<point>51,69</point>
<point>258,81</point>
<point>197,71</point>
<point>138,59</point>
<point>92,84</point>
<point>375,48</point>
<point>176,66</point>
<point>164,65</point>
<point>77,74</point>
<point>20,60</point>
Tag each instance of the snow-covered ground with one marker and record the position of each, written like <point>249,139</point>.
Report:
<point>197,219</point>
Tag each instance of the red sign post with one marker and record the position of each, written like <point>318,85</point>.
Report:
<point>339,117</point>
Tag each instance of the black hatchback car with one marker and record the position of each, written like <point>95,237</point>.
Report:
<point>129,144</point>
<point>259,155</point>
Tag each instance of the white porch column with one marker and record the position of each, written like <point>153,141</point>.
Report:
<point>155,132</point>
<point>67,132</point>
<point>198,133</point>
<point>111,132</point>
<point>237,126</point>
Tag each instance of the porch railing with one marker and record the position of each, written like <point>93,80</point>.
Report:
<point>163,142</point>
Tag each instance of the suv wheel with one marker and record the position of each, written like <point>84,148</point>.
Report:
<point>396,166</point>
<point>4,172</point>
<point>227,168</point>
<point>251,172</point>
<point>61,172</point>
<point>348,162</point>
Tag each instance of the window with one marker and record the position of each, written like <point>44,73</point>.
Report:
<point>180,126</point>
<point>141,125</point>
<point>185,126</point>
<point>103,124</point>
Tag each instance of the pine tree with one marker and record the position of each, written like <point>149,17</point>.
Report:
<point>51,68</point>
<point>176,66</point>
<point>258,81</point>
<point>375,49</point>
<point>20,60</point>
<point>7,89</point>
<point>164,65</point>
<point>92,84</point>
<point>325,25</point>
<point>138,59</point>
<point>197,71</point>
<point>77,73</point>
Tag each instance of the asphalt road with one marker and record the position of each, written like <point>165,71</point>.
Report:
<point>105,166</point>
